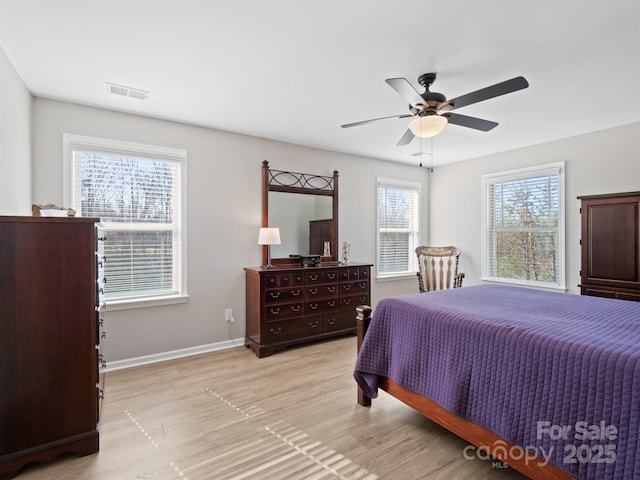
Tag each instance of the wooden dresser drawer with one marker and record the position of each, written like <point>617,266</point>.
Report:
<point>352,301</point>
<point>280,295</point>
<point>351,288</point>
<point>284,310</point>
<point>282,330</point>
<point>327,290</point>
<point>354,273</point>
<point>285,279</point>
<point>320,276</point>
<point>332,322</point>
<point>321,305</point>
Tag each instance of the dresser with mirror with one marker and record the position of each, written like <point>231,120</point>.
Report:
<point>294,301</point>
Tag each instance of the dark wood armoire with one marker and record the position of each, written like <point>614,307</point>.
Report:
<point>610,245</point>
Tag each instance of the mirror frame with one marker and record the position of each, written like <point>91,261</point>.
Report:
<point>294,182</point>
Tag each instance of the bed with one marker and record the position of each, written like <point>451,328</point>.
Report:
<point>546,382</point>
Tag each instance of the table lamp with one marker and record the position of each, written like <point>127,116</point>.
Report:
<point>269,236</point>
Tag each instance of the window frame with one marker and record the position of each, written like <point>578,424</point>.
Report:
<point>522,174</point>
<point>73,142</point>
<point>413,266</point>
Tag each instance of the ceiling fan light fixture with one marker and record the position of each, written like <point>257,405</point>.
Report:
<point>428,126</point>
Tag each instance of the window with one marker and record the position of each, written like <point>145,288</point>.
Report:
<point>136,191</point>
<point>398,227</point>
<point>524,226</point>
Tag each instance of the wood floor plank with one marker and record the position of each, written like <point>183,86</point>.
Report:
<point>292,416</point>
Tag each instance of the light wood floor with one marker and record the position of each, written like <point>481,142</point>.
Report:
<point>230,415</point>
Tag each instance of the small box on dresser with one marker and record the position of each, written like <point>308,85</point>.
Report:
<point>290,304</point>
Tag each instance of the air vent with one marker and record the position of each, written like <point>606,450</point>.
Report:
<point>123,91</point>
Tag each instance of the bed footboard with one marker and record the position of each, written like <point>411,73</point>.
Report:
<point>363,317</point>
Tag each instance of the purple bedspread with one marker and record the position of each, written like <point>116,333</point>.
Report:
<point>558,374</point>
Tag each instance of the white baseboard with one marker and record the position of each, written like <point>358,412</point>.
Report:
<point>171,355</point>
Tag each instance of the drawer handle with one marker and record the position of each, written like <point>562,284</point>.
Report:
<point>331,321</point>
<point>314,324</point>
<point>313,306</point>
<point>313,277</point>
<point>332,303</point>
<point>275,331</point>
<point>347,287</point>
<point>347,301</point>
<point>295,293</point>
<point>331,276</point>
<point>362,285</point>
<point>274,294</point>
<point>313,291</point>
<point>295,308</point>
<point>364,274</point>
<point>363,299</point>
<point>274,311</point>
<point>331,289</point>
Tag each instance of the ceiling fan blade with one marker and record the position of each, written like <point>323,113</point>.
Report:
<point>406,91</point>
<point>406,138</point>
<point>502,88</point>
<point>364,122</point>
<point>471,122</point>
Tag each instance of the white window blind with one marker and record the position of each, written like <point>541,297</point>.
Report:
<point>398,227</point>
<point>137,194</point>
<point>524,226</point>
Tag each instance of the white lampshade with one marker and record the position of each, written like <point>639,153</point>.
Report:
<point>427,126</point>
<point>269,236</point>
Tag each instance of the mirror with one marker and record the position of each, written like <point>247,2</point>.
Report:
<point>304,221</point>
<point>305,209</point>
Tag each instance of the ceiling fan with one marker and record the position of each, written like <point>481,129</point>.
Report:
<point>433,111</point>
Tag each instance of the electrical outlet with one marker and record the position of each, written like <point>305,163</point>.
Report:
<point>228,315</point>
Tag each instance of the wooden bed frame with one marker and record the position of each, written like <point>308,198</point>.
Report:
<point>473,433</point>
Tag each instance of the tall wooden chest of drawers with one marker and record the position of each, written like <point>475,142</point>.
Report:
<point>288,305</point>
<point>48,340</point>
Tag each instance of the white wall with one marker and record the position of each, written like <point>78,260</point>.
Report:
<point>15,141</point>
<point>602,162</point>
<point>224,211</point>
<point>224,215</point>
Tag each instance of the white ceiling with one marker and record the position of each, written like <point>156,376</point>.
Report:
<point>295,70</point>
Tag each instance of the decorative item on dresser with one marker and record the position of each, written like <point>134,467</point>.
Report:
<point>610,245</point>
<point>293,305</point>
<point>49,340</point>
